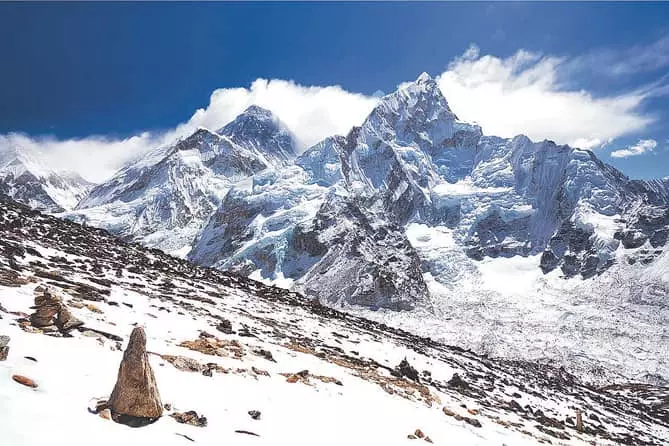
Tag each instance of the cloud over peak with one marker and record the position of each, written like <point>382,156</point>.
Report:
<point>525,93</point>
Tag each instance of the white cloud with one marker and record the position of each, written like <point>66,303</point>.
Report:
<point>312,113</point>
<point>523,94</point>
<point>643,146</point>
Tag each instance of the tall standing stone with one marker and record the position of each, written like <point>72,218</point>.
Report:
<point>136,393</point>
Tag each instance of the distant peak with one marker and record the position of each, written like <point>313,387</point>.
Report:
<point>256,110</point>
<point>424,78</point>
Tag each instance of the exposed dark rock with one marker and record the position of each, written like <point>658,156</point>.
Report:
<point>191,417</point>
<point>472,421</point>
<point>404,369</point>
<point>225,326</point>
<point>255,414</point>
<point>457,382</point>
<point>265,354</point>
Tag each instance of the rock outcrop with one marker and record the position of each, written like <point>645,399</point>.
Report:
<point>136,393</point>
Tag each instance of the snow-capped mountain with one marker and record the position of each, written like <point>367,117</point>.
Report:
<point>413,162</point>
<point>262,133</point>
<point>416,209</point>
<point>26,177</point>
<point>164,198</point>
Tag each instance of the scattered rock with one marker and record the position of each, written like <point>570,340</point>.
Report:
<point>244,332</point>
<point>93,308</point>
<point>191,417</point>
<point>265,354</point>
<point>136,393</point>
<point>225,326</point>
<point>428,439</point>
<point>255,414</point>
<point>30,358</point>
<point>4,347</point>
<point>210,345</point>
<point>184,364</point>
<point>167,406</point>
<point>448,412</point>
<point>457,382</point>
<point>472,421</point>
<point>24,380</point>
<point>411,437</point>
<point>260,372</point>
<point>404,369</point>
<point>419,433</point>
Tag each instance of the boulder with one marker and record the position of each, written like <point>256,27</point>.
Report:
<point>66,321</point>
<point>136,393</point>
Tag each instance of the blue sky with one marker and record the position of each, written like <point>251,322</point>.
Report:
<point>87,77</point>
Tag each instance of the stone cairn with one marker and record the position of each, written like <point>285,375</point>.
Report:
<point>50,310</point>
<point>135,395</point>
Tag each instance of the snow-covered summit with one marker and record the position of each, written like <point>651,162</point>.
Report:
<point>260,131</point>
<point>26,176</point>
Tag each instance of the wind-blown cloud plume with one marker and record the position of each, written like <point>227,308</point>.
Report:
<point>524,93</point>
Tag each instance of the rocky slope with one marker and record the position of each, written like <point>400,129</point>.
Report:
<point>236,361</point>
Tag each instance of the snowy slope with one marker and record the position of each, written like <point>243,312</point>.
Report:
<point>25,176</point>
<point>313,373</point>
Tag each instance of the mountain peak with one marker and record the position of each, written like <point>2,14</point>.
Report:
<point>424,78</point>
<point>260,130</point>
<point>258,111</point>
